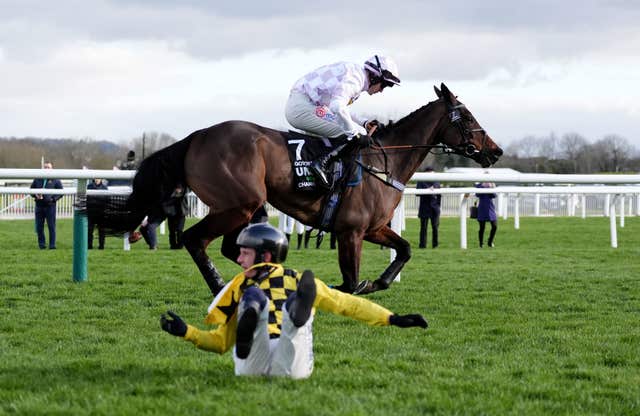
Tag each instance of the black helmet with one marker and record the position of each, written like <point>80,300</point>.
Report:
<point>263,237</point>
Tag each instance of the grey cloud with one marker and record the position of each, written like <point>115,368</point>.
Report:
<point>430,39</point>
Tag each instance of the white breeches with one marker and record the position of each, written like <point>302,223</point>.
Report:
<point>291,355</point>
<point>302,114</point>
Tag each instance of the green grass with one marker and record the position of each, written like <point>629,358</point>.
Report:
<point>548,322</point>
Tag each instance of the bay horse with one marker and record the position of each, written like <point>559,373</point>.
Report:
<point>235,167</point>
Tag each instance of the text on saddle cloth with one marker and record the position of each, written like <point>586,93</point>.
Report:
<point>303,150</point>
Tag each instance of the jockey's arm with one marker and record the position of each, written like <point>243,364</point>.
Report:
<point>339,303</point>
<point>219,340</point>
<point>351,125</point>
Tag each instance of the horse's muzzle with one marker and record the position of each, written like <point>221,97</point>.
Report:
<point>489,157</point>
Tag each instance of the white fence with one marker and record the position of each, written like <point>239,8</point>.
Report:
<point>535,200</point>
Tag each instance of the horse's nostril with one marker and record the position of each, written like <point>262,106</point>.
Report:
<point>498,152</point>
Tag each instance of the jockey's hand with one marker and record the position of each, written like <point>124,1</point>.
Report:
<point>370,124</point>
<point>362,140</point>
<point>408,321</point>
<point>173,325</point>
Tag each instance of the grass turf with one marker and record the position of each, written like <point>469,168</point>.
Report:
<point>545,323</point>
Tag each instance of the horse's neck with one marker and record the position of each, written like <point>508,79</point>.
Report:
<point>417,129</point>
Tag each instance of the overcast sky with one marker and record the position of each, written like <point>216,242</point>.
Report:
<point>112,69</point>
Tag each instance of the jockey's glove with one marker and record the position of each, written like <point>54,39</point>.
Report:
<point>408,321</point>
<point>369,124</point>
<point>173,324</point>
<point>362,140</point>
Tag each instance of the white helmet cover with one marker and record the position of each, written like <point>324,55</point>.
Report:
<point>383,67</point>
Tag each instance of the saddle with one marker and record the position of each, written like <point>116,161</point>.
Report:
<point>303,150</point>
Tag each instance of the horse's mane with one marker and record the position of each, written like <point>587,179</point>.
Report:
<point>395,125</point>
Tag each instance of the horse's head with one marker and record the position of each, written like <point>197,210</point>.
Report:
<point>461,133</point>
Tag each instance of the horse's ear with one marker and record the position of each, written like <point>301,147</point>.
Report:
<point>438,92</point>
<point>448,95</point>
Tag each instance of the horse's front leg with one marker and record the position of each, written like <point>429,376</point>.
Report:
<point>388,238</point>
<point>349,251</point>
<point>197,238</point>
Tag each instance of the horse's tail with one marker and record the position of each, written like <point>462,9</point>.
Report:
<point>154,182</point>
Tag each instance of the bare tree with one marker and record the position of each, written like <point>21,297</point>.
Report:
<point>615,152</point>
<point>571,147</point>
<point>150,142</point>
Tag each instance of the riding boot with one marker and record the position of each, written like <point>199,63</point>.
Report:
<point>320,167</point>
<point>300,304</point>
<point>299,241</point>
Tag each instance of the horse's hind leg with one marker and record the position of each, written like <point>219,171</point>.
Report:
<point>197,238</point>
<point>349,252</point>
<point>388,238</point>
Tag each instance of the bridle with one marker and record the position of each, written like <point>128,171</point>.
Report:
<point>465,147</point>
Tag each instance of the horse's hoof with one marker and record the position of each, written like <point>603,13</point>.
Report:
<point>341,288</point>
<point>364,287</point>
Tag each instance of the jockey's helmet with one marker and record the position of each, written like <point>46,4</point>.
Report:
<point>263,237</point>
<point>384,70</point>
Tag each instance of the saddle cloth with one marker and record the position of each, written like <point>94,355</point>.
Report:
<point>303,150</point>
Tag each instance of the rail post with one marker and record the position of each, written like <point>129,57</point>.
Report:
<point>80,234</point>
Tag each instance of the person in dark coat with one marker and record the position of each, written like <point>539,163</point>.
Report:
<point>487,213</point>
<point>46,208</point>
<point>429,210</point>
<point>174,210</point>
<point>100,185</point>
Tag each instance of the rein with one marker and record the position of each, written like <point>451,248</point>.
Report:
<point>465,148</point>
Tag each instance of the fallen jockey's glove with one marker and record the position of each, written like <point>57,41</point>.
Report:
<point>174,325</point>
<point>407,321</point>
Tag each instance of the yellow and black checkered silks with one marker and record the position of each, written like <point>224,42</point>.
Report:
<point>278,284</point>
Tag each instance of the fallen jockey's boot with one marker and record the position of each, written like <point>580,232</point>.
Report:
<point>320,167</point>
<point>252,303</point>
<point>246,327</point>
<point>300,304</point>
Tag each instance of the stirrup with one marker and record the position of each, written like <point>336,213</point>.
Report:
<point>319,172</point>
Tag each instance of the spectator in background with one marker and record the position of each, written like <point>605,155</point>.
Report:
<point>130,163</point>
<point>487,213</point>
<point>96,184</point>
<point>429,210</point>
<point>174,210</point>
<point>46,208</point>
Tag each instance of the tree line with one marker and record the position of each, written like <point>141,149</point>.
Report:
<point>28,152</point>
<point>569,153</point>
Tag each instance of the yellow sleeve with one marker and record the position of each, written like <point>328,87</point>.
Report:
<point>219,340</point>
<point>340,303</point>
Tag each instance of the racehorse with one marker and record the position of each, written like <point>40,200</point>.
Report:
<point>235,166</point>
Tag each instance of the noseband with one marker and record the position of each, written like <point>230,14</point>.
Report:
<point>465,147</point>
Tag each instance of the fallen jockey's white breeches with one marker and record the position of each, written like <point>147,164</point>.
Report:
<point>291,355</point>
